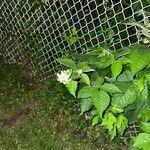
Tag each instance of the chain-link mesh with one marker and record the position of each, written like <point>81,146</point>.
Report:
<point>36,32</point>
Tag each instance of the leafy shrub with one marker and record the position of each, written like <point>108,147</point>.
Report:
<point>113,87</point>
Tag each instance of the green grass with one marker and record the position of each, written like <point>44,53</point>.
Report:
<point>44,116</point>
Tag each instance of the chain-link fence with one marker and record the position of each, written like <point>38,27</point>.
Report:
<point>36,32</point>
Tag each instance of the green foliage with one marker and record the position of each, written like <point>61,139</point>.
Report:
<point>100,100</point>
<point>116,68</point>
<point>111,85</point>
<point>142,141</point>
<point>73,38</point>
<point>72,87</point>
<point>109,121</point>
<point>125,99</point>
<point>67,62</point>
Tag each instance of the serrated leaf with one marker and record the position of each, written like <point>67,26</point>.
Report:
<point>116,68</point>
<point>113,133</point>
<point>123,100</point>
<point>144,94</point>
<point>72,87</point>
<point>140,57</point>
<point>111,88</point>
<point>84,92</point>
<point>142,141</point>
<point>147,76</point>
<point>85,105</point>
<point>146,127</point>
<point>100,100</point>
<point>142,102</point>
<point>145,115</point>
<point>125,76</point>
<point>104,62</point>
<point>116,110</point>
<point>84,67</point>
<point>109,121</point>
<point>67,62</point>
<point>124,60</point>
<point>123,85</point>
<point>95,120</point>
<point>140,84</point>
<point>122,124</point>
<point>98,82</point>
<point>85,78</point>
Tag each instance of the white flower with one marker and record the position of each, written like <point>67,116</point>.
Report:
<point>146,40</point>
<point>64,76</point>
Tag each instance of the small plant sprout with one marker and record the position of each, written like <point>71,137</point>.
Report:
<point>64,76</point>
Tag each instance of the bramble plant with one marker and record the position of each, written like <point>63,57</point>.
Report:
<point>142,140</point>
<point>113,87</point>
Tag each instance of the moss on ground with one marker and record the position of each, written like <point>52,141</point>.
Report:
<point>44,116</point>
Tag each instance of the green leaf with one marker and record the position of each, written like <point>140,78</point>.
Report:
<point>124,60</point>
<point>98,82</point>
<point>116,110</point>
<point>145,115</point>
<point>72,87</point>
<point>90,59</point>
<point>113,133</point>
<point>125,76</point>
<point>146,127</point>
<point>142,141</point>
<point>74,39</point>
<point>122,124</point>
<point>84,66</point>
<point>123,85</point>
<point>74,31</point>
<point>85,79</point>
<point>95,120</point>
<point>116,68</point>
<point>67,62</point>
<point>140,84</point>
<point>84,92</point>
<point>85,105</point>
<point>147,76</point>
<point>94,113</point>
<point>123,100</point>
<point>111,88</point>
<point>143,99</point>
<point>104,62</point>
<point>109,121</point>
<point>65,37</point>
<point>140,57</point>
<point>100,100</point>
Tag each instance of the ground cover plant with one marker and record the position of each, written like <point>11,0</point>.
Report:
<point>35,116</point>
<point>112,88</point>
